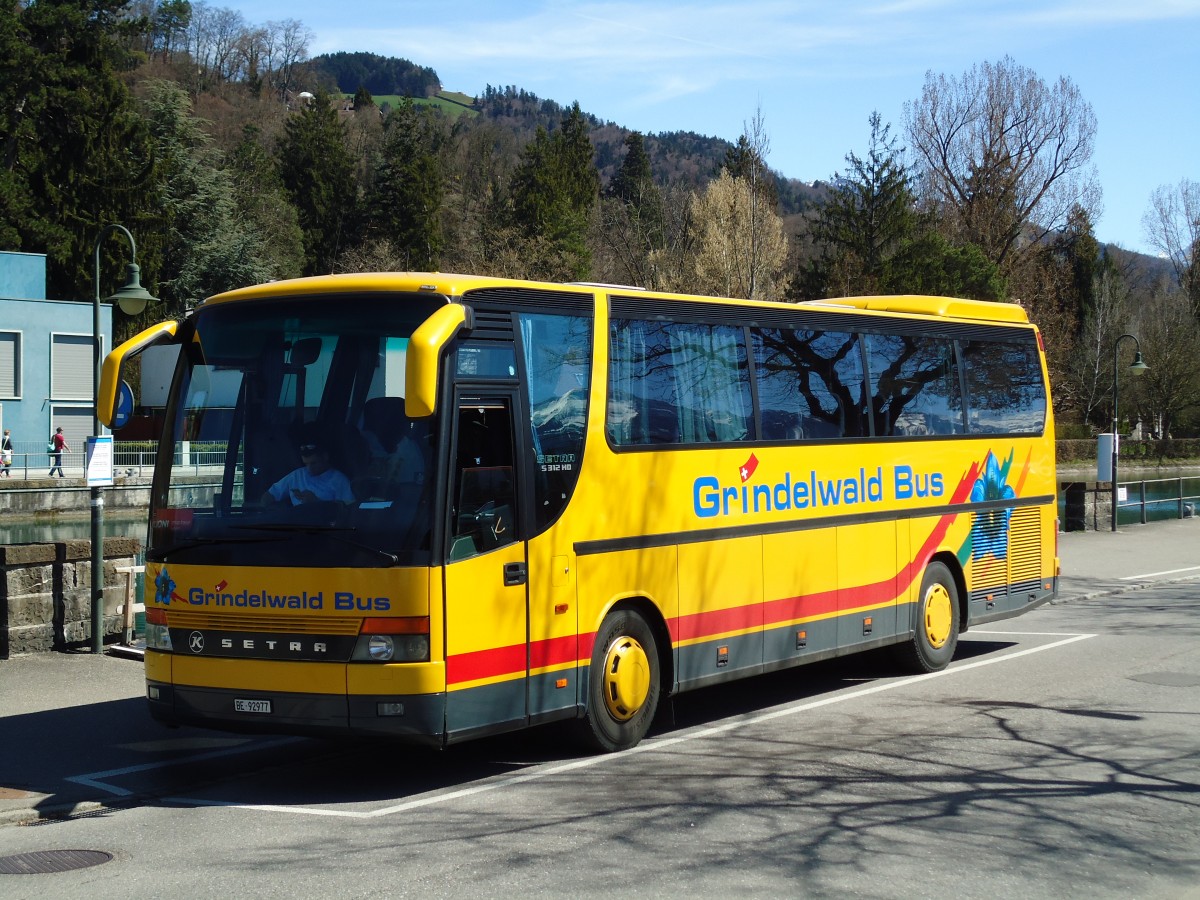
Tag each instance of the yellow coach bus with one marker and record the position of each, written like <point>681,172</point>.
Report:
<point>434,506</point>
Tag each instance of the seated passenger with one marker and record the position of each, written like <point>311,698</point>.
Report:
<point>395,442</point>
<point>315,480</point>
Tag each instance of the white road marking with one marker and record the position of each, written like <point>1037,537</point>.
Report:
<point>975,631</point>
<point>548,771</point>
<point>1156,574</point>
<point>96,779</point>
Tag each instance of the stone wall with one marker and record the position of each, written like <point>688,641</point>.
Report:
<point>45,594</point>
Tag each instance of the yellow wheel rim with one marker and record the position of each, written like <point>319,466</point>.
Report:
<point>938,616</point>
<point>626,678</point>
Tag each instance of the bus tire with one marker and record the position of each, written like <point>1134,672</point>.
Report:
<point>624,683</point>
<point>935,631</point>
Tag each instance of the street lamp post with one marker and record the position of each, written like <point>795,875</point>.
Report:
<point>1138,367</point>
<point>132,298</point>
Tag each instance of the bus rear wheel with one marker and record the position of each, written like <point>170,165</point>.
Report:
<point>624,683</point>
<point>935,632</point>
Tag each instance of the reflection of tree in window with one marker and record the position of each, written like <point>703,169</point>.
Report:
<point>1005,393</point>
<point>557,352</point>
<point>811,384</point>
<point>916,385</point>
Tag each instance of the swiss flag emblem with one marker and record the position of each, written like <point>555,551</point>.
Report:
<point>748,468</point>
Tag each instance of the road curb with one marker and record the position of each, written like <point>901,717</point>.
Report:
<point>33,815</point>
<point>1123,589</point>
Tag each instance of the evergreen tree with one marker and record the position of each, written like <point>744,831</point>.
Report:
<point>210,245</point>
<point>1081,250</point>
<point>745,160</point>
<point>553,190</point>
<point>263,201</point>
<point>927,263</point>
<point>363,99</point>
<point>632,219</point>
<point>866,217</point>
<point>77,155</point>
<point>406,197</point>
<point>872,240</point>
<point>634,181</point>
<point>318,174</point>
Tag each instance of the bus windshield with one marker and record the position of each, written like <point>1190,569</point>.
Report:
<point>288,437</point>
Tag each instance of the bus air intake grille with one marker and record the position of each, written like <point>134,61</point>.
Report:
<point>267,624</point>
<point>1025,545</point>
<point>989,564</point>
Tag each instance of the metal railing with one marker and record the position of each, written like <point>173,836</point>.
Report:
<point>130,458</point>
<point>1161,498</point>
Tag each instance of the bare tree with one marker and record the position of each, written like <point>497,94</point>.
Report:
<point>741,250</point>
<point>226,29</point>
<point>671,265</point>
<point>289,42</point>
<point>1170,339</point>
<point>1001,154</point>
<point>1172,225</point>
<point>253,50</point>
<point>1089,367</point>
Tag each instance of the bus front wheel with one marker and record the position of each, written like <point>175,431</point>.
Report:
<point>935,632</point>
<point>624,683</point>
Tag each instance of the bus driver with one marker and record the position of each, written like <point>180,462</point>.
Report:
<point>315,480</point>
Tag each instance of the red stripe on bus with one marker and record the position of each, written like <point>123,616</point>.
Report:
<point>507,661</point>
<point>498,662</point>
<point>491,663</point>
<point>719,621</point>
<point>553,652</point>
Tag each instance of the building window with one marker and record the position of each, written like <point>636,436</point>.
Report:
<point>71,367</point>
<point>10,365</point>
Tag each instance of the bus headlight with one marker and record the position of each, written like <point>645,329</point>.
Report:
<point>393,640</point>
<point>380,647</point>
<point>158,635</point>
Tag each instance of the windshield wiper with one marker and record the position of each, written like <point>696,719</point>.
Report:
<point>161,555</point>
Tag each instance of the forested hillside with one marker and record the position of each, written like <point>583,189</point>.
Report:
<point>379,75</point>
<point>234,157</point>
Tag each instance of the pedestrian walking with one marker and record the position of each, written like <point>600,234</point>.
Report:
<point>58,443</point>
<point>6,454</point>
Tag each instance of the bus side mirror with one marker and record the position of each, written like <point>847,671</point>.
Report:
<point>424,356</point>
<point>113,369</point>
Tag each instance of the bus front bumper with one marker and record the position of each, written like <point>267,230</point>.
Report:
<point>418,719</point>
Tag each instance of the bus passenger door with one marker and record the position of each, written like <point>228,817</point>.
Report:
<point>486,601</point>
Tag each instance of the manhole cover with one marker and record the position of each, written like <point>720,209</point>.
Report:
<point>41,861</point>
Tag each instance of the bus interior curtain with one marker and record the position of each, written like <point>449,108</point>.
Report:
<point>708,378</point>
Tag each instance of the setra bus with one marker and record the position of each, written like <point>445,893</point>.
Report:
<point>568,501</point>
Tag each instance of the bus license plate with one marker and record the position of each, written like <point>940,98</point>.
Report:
<point>252,706</point>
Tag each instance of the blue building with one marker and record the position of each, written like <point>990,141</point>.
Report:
<point>46,364</point>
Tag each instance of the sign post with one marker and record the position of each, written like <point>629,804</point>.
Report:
<point>100,461</point>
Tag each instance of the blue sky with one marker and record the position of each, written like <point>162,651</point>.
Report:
<point>816,70</point>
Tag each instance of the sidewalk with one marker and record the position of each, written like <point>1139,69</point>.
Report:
<point>1096,563</point>
<point>72,725</point>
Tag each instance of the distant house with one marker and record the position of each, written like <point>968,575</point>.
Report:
<point>46,363</point>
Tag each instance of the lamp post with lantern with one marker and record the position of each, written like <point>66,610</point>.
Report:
<point>1138,367</point>
<point>132,298</point>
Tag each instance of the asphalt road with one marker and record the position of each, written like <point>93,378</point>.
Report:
<point>1057,757</point>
